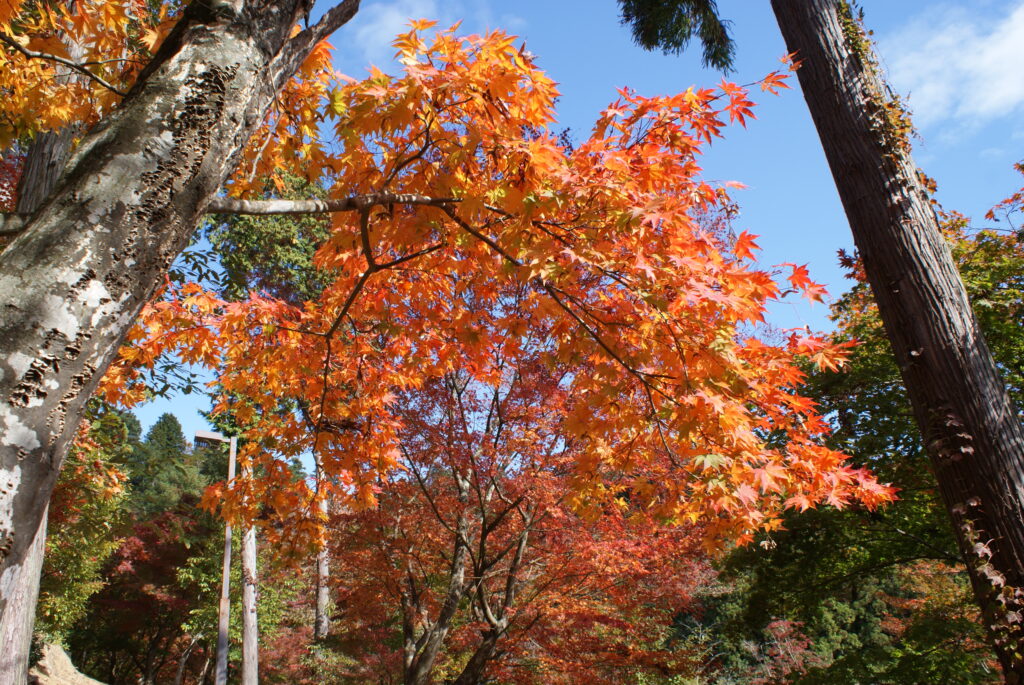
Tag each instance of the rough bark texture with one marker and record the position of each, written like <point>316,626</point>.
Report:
<point>971,431</point>
<point>73,282</point>
<point>44,163</point>
<point>20,609</point>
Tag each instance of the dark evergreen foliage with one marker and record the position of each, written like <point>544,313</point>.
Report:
<point>670,25</point>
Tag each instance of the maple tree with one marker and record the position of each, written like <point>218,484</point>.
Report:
<point>476,566</point>
<point>593,253</point>
<point>442,180</point>
<point>452,185</point>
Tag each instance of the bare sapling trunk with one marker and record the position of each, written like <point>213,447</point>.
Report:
<point>77,276</point>
<point>250,630</point>
<point>321,615</point>
<point>971,430</point>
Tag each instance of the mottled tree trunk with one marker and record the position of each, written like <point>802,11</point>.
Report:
<point>321,615</point>
<point>44,163</point>
<point>322,619</point>
<point>72,283</point>
<point>421,654</point>
<point>20,609</point>
<point>971,430</point>
<point>250,631</point>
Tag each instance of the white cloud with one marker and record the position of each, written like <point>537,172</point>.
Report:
<point>959,68</point>
<point>367,38</point>
<point>376,25</point>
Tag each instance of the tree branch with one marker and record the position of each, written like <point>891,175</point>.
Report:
<point>228,205</point>
<point>75,66</point>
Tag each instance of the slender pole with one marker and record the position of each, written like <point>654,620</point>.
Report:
<point>250,632</point>
<point>321,618</point>
<point>221,675</point>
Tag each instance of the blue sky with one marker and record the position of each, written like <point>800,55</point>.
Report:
<point>959,64</point>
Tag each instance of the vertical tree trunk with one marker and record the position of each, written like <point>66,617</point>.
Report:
<point>220,676</point>
<point>250,589</point>
<point>322,620</point>
<point>321,617</point>
<point>20,612</point>
<point>419,670</point>
<point>44,163</point>
<point>72,283</point>
<point>179,675</point>
<point>971,430</point>
<point>250,633</point>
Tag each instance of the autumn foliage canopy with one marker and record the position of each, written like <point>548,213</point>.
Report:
<point>538,380</point>
<point>463,226</point>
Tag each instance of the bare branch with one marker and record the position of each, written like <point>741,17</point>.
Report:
<point>75,66</point>
<point>401,260</point>
<point>333,19</point>
<point>228,205</point>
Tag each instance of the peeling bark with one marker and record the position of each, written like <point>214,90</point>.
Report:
<point>73,282</point>
<point>971,430</point>
<point>44,164</point>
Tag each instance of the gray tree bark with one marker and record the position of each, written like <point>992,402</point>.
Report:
<point>44,163</point>
<point>250,629</point>
<point>321,613</point>
<point>72,283</point>
<point>475,670</point>
<point>421,652</point>
<point>322,618</point>
<point>971,430</point>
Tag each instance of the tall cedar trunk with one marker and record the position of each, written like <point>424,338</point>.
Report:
<point>43,164</point>
<point>971,430</point>
<point>73,282</point>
